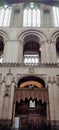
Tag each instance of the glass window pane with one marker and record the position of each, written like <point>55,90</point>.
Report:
<point>56,15</point>
<point>34,17</point>
<point>38,17</point>
<point>32,5</point>
<point>8,21</point>
<point>6,17</point>
<point>1,16</point>
<point>37,60</point>
<point>25,17</point>
<point>31,59</point>
<point>1,59</point>
<point>32,104</point>
<point>57,12</point>
<point>29,17</point>
<point>25,60</point>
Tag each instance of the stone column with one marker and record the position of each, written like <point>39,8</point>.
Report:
<point>53,51</point>
<point>48,112</point>
<point>51,101</point>
<point>56,100</point>
<point>43,56</point>
<point>47,52</point>
<point>11,100</point>
<point>42,17</point>
<point>20,52</point>
<point>13,125</point>
<point>5,52</point>
<point>1,98</point>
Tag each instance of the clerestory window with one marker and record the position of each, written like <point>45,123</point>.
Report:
<point>5,13</point>
<point>56,16</point>
<point>31,16</point>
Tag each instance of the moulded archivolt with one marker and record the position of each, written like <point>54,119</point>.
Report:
<point>33,32</point>
<point>4,35</point>
<point>53,35</point>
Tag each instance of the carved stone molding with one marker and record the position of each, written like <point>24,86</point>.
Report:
<point>31,70</point>
<point>50,65</point>
<point>54,81</point>
<point>49,80</point>
<point>9,73</point>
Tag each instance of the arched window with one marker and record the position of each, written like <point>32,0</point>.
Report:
<point>32,53</point>
<point>1,48</point>
<point>57,49</point>
<point>56,16</point>
<point>31,15</point>
<point>5,13</point>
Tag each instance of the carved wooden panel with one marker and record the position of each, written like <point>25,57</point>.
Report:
<point>39,94</point>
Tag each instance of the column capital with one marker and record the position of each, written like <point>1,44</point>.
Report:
<point>20,42</point>
<point>52,42</point>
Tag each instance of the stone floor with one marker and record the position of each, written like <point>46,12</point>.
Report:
<point>31,127</point>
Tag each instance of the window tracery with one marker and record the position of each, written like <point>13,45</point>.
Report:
<point>5,13</point>
<point>31,15</point>
<point>56,16</point>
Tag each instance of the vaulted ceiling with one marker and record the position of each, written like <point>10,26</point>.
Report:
<point>48,2</point>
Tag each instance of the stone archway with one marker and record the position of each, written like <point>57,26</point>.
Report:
<point>31,98</point>
<point>31,113</point>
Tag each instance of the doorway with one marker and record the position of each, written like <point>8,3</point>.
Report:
<point>31,99</point>
<point>31,113</point>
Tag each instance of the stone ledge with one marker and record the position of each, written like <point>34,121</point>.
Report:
<point>48,65</point>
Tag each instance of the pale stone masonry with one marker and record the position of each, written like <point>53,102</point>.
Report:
<point>12,69</point>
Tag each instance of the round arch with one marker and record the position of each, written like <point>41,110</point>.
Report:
<point>3,39</point>
<point>53,36</point>
<point>31,32</point>
<point>31,80</point>
<point>4,35</point>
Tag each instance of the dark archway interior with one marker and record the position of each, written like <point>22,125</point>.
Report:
<point>32,47</point>
<point>1,45</point>
<point>29,78</point>
<point>57,45</point>
<point>32,50</point>
<point>31,116</point>
<point>31,111</point>
<point>37,108</point>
